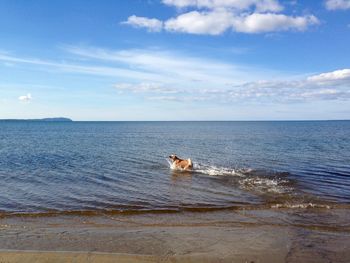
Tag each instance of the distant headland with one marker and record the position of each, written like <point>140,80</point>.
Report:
<point>59,119</point>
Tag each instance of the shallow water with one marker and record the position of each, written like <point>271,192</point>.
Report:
<point>121,166</point>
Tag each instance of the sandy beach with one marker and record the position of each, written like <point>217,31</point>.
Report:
<point>224,236</point>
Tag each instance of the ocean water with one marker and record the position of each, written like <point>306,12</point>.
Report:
<point>113,167</point>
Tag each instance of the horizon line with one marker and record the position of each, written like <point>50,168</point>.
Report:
<point>267,120</point>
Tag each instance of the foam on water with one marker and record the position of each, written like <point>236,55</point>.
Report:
<point>211,169</point>
<point>269,185</point>
<point>246,179</point>
<point>275,188</point>
<point>215,170</point>
<point>301,206</point>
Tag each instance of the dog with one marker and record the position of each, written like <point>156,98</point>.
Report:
<point>181,164</point>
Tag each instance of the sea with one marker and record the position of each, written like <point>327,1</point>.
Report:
<point>94,168</point>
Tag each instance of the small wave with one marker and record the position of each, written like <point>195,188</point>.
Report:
<point>301,206</point>
<point>270,185</point>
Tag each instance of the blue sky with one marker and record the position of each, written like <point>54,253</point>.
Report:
<point>175,59</point>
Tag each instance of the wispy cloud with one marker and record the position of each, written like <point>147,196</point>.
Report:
<point>146,88</point>
<point>214,17</point>
<point>165,98</point>
<point>173,66</point>
<point>168,69</point>
<point>325,86</point>
<point>155,74</point>
<point>306,89</point>
<point>258,5</point>
<point>147,65</point>
<point>83,69</point>
<point>337,4</point>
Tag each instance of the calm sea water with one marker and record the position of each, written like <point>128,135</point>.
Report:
<point>121,166</point>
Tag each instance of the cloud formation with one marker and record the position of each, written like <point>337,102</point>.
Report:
<point>337,4</point>
<point>164,66</point>
<point>145,88</point>
<point>152,24</point>
<point>263,23</point>
<point>25,98</point>
<point>258,5</point>
<point>214,17</point>
<point>325,86</point>
<point>332,77</point>
<point>161,75</point>
<point>212,23</point>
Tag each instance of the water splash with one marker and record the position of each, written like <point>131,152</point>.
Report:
<point>265,185</point>
<point>211,169</point>
<point>172,165</point>
<point>246,178</point>
<point>215,170</point>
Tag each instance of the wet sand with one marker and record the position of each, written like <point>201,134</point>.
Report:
<point>272,235</point>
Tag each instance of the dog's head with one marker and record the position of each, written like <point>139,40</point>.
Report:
<point>173,157</point>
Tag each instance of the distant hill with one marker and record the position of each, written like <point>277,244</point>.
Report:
<point>59,119</point>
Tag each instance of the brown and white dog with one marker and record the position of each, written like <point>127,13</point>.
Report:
<point>180,164</point>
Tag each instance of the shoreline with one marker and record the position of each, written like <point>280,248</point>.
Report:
<point>224,236</point>
<point>200,209</point>
<point>69,256</point>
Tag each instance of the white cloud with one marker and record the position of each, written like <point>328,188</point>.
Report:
<point>260,23</point>
<point>212,23</point>
<point>337,4</point>
<point>325,86</point>
<point>217,22</point>
<point>214,17</point>
<point>334,76</point>
<point>289,91</point>
<point>163,75</point>
<point>313,88</point>
<point>25,98</point>
<point>325,94</point>
<point>152,24</point>
<point>259,5</point>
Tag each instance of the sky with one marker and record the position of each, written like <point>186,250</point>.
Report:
<point>175,59</point>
